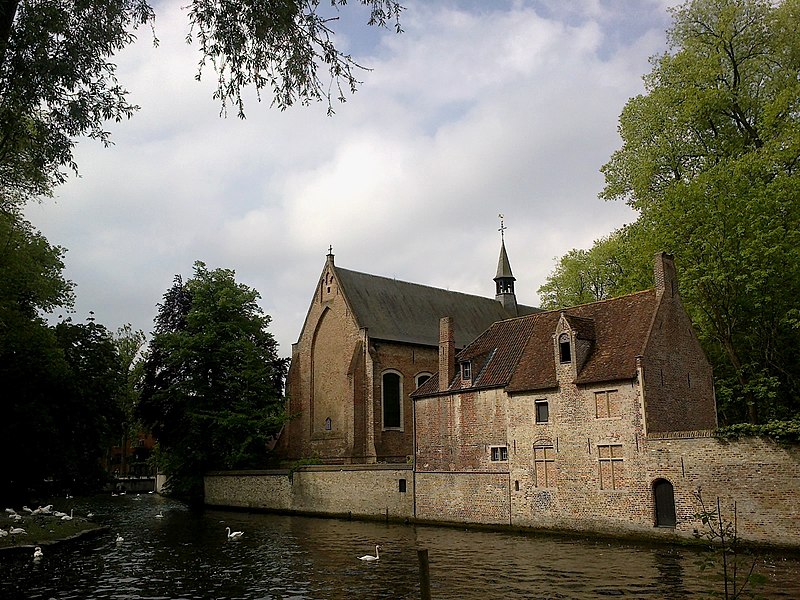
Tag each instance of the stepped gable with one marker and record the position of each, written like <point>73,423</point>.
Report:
<point>399,311</point>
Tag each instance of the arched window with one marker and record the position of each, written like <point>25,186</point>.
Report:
<point>664,500</point>
<point>422,378</point>
<point>392,400</point>
<point>564,349</point>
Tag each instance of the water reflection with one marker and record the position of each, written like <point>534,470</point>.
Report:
<point>186,555</point>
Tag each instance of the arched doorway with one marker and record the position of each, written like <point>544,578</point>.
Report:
<point>664,499</point>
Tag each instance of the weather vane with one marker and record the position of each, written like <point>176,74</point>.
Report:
<point>502,228</point>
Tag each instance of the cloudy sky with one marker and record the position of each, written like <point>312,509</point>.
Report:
<point>478,108</point>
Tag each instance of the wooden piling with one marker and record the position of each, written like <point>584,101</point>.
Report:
<point>424,575</point>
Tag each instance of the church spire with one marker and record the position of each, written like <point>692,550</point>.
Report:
<point>504,279</point>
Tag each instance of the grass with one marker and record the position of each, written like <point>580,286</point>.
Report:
<point>42,530</point>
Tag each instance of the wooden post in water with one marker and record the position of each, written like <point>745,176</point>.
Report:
<point>424,575</point>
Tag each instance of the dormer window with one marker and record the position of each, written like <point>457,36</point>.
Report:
<point>466,370</point>
<point>564,348</point>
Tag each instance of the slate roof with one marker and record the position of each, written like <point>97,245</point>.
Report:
<point>518,354</point>
<point>409,312</point>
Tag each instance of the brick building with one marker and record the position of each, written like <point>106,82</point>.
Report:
<point>596,418</point>
<point>366,344</point>
<point>544,420</point>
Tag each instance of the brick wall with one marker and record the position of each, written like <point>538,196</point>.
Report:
<point>679,388</point>
<point>409,362</point>
<point>365,491</point>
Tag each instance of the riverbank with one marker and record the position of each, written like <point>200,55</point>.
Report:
<point>47,530</point>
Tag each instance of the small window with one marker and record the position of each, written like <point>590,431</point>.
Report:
<point>606,404</point>
<point>499,453</point>
<point>544,466</point>
<point>328,424</point>
<point>401,485</point>
<point>466,370</point>
<point>422,378</point>
<point>542,411</point>
<point>564,348</point>
<point>611,466</point>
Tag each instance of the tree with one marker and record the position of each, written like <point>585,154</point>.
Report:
<point>58,81</point>
<point>129,344</point>
<point>87,408</point>
<point>610,268</point>
<point>710,161</point>
<point>213,384</point>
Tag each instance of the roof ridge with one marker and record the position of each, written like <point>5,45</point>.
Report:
<point>629,295</point>
<point>423,285</point>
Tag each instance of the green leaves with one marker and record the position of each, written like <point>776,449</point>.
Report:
<point>213,384</point>
<point>710,160</point>
<point>278,45</point>
<point>57,82</point>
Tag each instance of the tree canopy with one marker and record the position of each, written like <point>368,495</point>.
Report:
<point>710,161</point>
<point>213,383</point>
<point>58,79</point>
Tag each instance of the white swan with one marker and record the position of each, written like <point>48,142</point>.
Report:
<point>16,530</point>
<point>3,533</point>
<point>233,535</point>
<point>119,539</point>
<point>160,515</point>
<point>369,557</point>
<point>69,516</point>
<point>37,553</point>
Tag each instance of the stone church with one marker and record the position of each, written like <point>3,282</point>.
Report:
<point>366,344</point>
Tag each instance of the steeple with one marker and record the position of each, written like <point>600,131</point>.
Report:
<point>504,280</point>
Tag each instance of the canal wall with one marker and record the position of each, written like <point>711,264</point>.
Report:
<point>756,481</point>
<point>367,491</point>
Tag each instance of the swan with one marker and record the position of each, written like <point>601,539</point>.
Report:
<point>234,535</point>
<point>160,515</point>
<point>27,510</point>
<point>37,553</point>
<point>59,514</point>
<point>68,517</point>
<point>16,530</point>
<point>119,539</point>
<point>3,533</point>
<point>369,557</point>
<point>89,515</point>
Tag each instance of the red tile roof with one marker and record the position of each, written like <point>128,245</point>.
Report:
<point>519,354</point>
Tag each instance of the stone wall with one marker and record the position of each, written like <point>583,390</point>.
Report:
<point>363,491</point>
<point>760,477</point>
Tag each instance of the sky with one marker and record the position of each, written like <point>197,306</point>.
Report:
<point>479,108</point>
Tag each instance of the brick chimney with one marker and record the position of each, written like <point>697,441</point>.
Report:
<point>447,352</point>
<point>666,276</point>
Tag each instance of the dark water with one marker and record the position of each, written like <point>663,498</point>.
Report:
<point>186,555</point>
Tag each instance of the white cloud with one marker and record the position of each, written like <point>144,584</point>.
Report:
<point>465,115</point>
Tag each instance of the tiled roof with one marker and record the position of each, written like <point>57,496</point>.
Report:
<point>521,355</point>
<point>409,312</point>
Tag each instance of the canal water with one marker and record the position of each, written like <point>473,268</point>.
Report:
<point>186,555</point>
